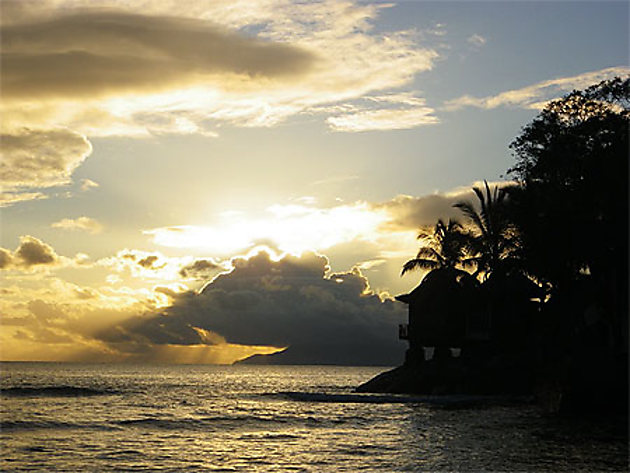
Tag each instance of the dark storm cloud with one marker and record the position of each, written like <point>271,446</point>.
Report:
<point>290,302</point>
<point>99,52</point>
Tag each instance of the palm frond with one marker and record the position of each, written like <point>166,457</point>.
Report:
<point>494,237</point>
<point>418,263</point>
<point>471,212</point>
<point>426,252</point>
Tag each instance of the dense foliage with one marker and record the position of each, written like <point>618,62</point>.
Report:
<point>572,166</point>
<point>563,225</point>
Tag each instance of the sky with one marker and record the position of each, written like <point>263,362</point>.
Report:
<point>202,181</point>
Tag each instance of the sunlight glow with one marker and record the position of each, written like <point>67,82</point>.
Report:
<point>289,228</point>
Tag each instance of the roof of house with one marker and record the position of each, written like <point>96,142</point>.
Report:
<point>440,285</point>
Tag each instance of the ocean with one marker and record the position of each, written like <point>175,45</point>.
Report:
<point>101,417</point>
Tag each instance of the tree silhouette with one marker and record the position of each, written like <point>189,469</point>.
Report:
<point>571,209</point>
<point>494,240</point>
<point>572,166</point>
<point>444,247</point>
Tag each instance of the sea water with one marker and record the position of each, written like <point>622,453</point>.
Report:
<point>76,417</point>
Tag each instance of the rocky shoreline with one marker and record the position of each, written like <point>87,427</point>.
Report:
<point>455,376</point>
<point>589,386</point>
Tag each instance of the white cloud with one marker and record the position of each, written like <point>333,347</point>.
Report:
<point>384,119</point>
<point>537,95</point>
<point>477,40</point>
<point>381,112</point>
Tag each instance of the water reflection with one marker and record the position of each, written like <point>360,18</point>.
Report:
<point>206,418</point>
<point>512,438</point>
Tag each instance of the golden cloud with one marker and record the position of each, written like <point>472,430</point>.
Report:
<point>100,69</point>
<point>40,157</point>
<point>244,309</point>
<point>31,253</point>
<point>338,320</point>
<point>102,52</point>
<point>86,224</point>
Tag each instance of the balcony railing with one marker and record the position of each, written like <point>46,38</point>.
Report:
<point>403,331</point>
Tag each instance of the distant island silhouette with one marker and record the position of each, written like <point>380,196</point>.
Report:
<point>543,309</point>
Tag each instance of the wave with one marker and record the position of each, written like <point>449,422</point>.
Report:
<point>446,401</point>
<point>54,391</point>
<point>347,398</point>
<point>206,423</point>
<point>53,425</point>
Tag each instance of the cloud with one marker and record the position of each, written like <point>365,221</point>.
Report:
<point>155,266</point>
<point>143,264</point>
<point>63,322</point>
<point>188,67</point>
<point>477,40</point>
<point>87,184</point>
<point>348,233</point>
<point>10,198</point>
<point>303,54</point>
<point>6,258</point>
<point>122,52</point>
<point>410,212</point>
<point>403,111</point>
<point>383,119</point>
<point>294,302</point>
<point>30,253</point>
<point>154,307</point>
<point>537,95</point>
<point>200,269</point>
<point>86,224</point>
<point>40,158</point>
<point>49,330</point>
<point>292,228</point>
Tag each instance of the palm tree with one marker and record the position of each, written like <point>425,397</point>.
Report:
<point>445,247</point>
<point>495,239</point>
